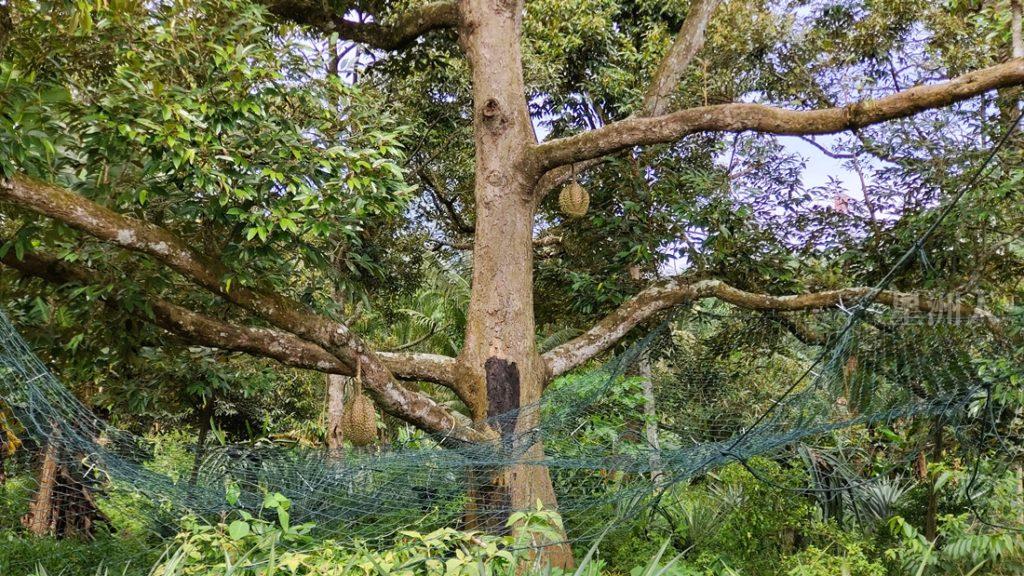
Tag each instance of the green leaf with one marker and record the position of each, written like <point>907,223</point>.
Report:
<point>238,529</point>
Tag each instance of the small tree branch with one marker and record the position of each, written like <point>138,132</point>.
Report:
<point>456,219</point>
<point>399,33</point>
<point>827,151</point>
<point>675,292</point>
<point>688,42</point>
<point>741,117</point>
<point>799,329</point>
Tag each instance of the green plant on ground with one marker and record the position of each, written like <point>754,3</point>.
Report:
<point>837,558</point>
<point>765,524</point>
<point>252,545</point>
<point>965,548</point>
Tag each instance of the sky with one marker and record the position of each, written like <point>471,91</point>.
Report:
<point>819,166</point>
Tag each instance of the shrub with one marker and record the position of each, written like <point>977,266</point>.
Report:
<point>849,560</point>
<point>766,520</point>
<point>965,547</point>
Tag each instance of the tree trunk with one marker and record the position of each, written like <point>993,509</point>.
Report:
<point>205,417</point>
<point>63,505</point>
<point>651,420</point>
<point>337,389</point>
<point>1020,494</point>
<point>40,511</point>
<point>931,528</point>
<point>499,368</point>
<point>1016,35</point>
<point>3,457</point>
<point>5,451</point>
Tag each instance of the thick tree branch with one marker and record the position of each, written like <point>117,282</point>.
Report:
<point>688,42</point>
<point>333,337</point>
<point>674,292</point>
<point>204,330</point>
<point>421,367</point>
<point>81,213</point>
<point>399,33</point>
<point>741,117</point>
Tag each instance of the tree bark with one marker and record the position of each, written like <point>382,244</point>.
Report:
<point>63,504</point>
<point>1019,472</point>
<point>337,392</point>
<point>3,456</point>
<point>1016,37</point>
<point>40,511</point>
<point>7,446</point>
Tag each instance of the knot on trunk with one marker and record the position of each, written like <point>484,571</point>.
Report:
<point>494,117</point>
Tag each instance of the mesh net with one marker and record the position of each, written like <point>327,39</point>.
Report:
<point>730,385</point>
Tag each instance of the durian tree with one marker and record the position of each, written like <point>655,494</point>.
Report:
<point>225,204</point>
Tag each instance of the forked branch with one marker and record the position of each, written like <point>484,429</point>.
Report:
<point>298,326</point>
<point>204,330</point>
<point>105,224</point>
<point>688,42</point>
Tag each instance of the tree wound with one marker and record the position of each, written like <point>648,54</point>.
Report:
<point>502,393</point>
<point>494,118</point>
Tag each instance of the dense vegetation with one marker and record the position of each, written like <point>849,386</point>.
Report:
<point>325,165</point>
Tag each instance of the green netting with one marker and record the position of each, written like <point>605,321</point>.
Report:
<point>874,367</point>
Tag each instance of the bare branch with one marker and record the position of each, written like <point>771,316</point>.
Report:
<point>826,151</point>
<point>419,366</point>
<point>395,35</point>
<point>688,42</point>
<point>741,117</point>
<point>674,292</point>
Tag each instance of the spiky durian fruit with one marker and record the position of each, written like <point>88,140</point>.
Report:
<point>359,422</point>
<point>574,200</point>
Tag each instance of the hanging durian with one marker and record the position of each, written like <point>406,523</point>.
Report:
<point>574,199</point>
<point>359,419</point>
